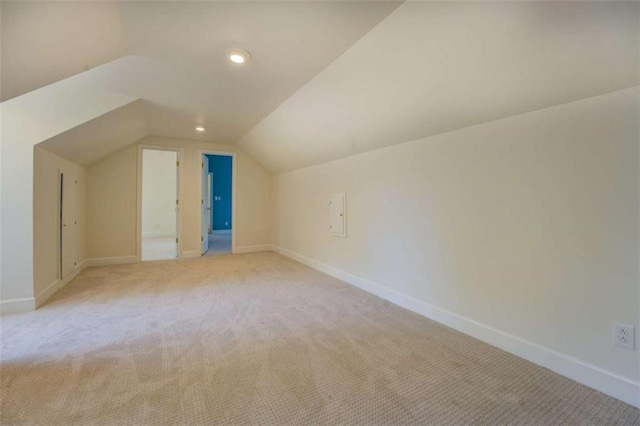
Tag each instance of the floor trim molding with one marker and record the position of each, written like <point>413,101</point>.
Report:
<point>587,374</point>
<point>58,284</point>
<point>12,306</point>
<point>253,249</point>
<point>49,291</point>
<point>117,260</point>
<point>158,235</point>
<point>191,254</point>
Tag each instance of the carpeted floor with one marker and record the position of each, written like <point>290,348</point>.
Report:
<point>257,338</point>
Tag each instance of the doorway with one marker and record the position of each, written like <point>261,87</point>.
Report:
<point>159,204</point>
<point>217,204</point>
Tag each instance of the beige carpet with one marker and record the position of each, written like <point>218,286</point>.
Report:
<point>257,338</point>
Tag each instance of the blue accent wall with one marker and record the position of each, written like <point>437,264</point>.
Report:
<point>221,167</point>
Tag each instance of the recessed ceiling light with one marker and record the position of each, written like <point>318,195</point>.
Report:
<point>238,56</point>
<point>200,128</point>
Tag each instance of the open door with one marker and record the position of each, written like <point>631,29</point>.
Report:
<point>209,207</point>
<point>204,204</point>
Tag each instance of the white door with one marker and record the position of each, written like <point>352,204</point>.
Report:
<point>204,203</point>
<point>69,224</point>
<point>209,207</point>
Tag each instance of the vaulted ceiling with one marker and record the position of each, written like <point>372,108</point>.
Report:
<point>172,54</point>
<point>326,79</point>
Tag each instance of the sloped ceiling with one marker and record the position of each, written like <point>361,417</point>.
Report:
<point>432,67</point>
<point>173,54</point>
<point>43,42</point>
<point>327,79</point>
<point>98,138</point>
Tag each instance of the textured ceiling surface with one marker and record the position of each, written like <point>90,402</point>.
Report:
<point>326,79</point>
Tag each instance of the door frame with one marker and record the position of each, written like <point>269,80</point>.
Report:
<point>234,192</point>
<point>179,180</point>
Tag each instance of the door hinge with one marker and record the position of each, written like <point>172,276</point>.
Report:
<point>176,240</point>
<point>202,165</point>
<point>202,201</point>
<point>177,164</point>
<point>201,238</point>
<point>177,202</point>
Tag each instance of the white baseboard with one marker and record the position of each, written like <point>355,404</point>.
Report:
<point>46,294</point>
<point>604,381</point>
<point>12,306</point>
<point>253,249</point>
<point>158,234</point>
<point>192,254</point>
<point>52,288</point>
<point>117,260</point>
<point>31,303</point>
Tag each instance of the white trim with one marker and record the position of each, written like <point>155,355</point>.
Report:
<point>31,303</point>
<point>191,254</point>
<point>253,249</point>
<point>604,381</point>
<point>13,306</point>
<point>158,235</point>
<point>179,183</point>
<point>234,191</point>
<point>46,294</point>
<point>104,261</point>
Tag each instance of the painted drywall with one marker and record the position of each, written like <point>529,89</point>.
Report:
<point>47,167</point>
<point>527,225</point>
<point>159,176</point>
<point>111,205</point>
<point>26,121</point>
<point>112,213</point>
<point>221,192</point>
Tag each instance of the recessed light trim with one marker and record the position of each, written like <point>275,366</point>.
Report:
<point>200,129</point>
<point>238,56</point>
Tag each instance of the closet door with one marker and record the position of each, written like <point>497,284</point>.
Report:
<point>68,223</point>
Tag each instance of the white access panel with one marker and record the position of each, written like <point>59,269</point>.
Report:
<point>338,215</point>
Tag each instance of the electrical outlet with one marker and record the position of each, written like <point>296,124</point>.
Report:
<point>624,336</point>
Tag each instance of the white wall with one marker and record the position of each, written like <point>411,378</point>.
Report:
<point>46,194</point>
<point>111,205</point>
<point>526,225</point>
<point>159,187</point>
<point>112,196</point>
<point>26,121</point>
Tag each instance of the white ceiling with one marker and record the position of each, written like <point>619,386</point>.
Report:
<point>327,79</point>
<point>100,137</point>
<point>175,56</point>
<point>44,42</point>
<point>433,67</point>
